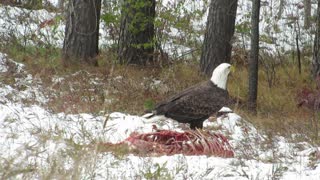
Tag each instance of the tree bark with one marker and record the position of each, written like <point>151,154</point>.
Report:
<point>61,5</point>
<point>220,27</point>
<point>307,14</point>
<point>281,8</point>
<point>136,40</point>
<point>82,32</point>
<point>297,30</point>
<point>254,57</point>
<point>316,47</point>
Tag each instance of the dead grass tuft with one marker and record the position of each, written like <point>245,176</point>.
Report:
<point>277,104</point>
<point>135,89</point>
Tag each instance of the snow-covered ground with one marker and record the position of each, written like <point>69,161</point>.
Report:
<point>36,142</point>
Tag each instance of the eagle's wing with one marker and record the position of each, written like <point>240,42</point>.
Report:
<point>173,100</point>
<point>195,103</point>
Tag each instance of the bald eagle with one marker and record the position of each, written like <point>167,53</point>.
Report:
<point>197,103</point>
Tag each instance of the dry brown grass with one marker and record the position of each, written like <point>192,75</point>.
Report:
<point>133,87</point>
<point>277,105</point>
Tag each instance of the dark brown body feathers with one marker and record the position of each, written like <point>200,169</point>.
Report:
<point>194,105</point>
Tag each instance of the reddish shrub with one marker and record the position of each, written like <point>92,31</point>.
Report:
<point>310,98</point>
<point>45,23</point>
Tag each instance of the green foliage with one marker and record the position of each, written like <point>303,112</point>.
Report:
<point>278,170</point>
<point>33,4</point>
<point>276,28</point>
<point>174,15</point>
<point>160,172</point>
<point>144,45</point>
<point>57,20</point>
<point>149,104</point>
<point>266,39</point>
<point>181,16</point>
<point>110,15</point>
<point>243,27</point>
<point>109,18</point>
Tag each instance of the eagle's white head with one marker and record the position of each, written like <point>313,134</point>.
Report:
<point>220,75</point>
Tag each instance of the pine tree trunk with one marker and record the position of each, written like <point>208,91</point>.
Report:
<point>316,47</point>
<point>217,43</point>
<point>82,32</point>
<point>307,14</point>
<point>136,41</point>
<point>254,55</point>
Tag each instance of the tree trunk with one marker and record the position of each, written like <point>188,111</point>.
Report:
<point>281,8</point>
<point>316,47</point>
<point>307,14</point>
<point>61,5</point>
<point>136,40</point>
<point>297,30</point>
<point>254,55</point>
<point>82,32</point>
<point>217,43</point>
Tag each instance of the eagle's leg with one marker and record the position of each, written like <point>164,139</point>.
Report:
<point>196,124</point>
